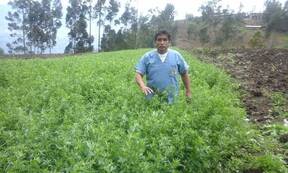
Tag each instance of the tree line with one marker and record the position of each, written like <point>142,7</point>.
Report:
<point>34,24</point>
<point>218,26</point>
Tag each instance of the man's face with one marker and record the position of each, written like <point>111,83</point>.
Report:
<point>162,43</point>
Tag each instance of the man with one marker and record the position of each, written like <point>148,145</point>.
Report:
<point>161,68</point>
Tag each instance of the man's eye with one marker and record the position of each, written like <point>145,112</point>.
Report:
<point>162,40</point>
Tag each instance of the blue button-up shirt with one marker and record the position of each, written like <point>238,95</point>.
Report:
<point>162,76</point>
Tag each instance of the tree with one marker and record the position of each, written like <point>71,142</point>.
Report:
<point>112,10</point>
<point>211,18</point>
<point>145,34</point>
<point>125,37</point>
<point>285,17</point>
<point>36,33</point>
<point>229,27</point>
<point>257,41</point>
<point>138,32</point>
<point>129,20</point>
<point>44,20</point>
<point>218,25</point>
<point>89,2</point>
<point>275,17</point>
<point>194,26</point>
<point>129,16</point>
<point>79,40</point>
<point>38,23</point>
<point>211,12</point>
<point>53,16</point>
<point>203,35</point>
<point>99,12</point>
<point>18,25</point>
<point>1,51</point>
<point>164,20</point>
<point>103,12</point>
<point>272,15</point>
<point>108,39</point>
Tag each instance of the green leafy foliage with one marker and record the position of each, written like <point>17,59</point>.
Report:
<point>257,41</point>
<point>86,114</point>
<point>217,26</point>
<point>280,104</point>
<point>138,31</point>
<point>275,16</point>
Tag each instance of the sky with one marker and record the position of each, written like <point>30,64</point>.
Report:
<point>184,7</point>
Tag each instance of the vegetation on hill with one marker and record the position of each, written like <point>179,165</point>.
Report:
<point>222,27</point>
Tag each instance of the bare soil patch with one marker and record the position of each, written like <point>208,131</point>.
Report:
<point>261,73</point>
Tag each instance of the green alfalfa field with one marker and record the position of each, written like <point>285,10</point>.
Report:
<point>85,113</point>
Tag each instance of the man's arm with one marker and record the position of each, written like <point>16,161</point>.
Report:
<point>139,79</point>
<point>186,81</point>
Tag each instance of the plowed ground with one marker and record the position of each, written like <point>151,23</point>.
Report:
<point>262,74</point>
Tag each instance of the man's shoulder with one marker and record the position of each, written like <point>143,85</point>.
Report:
<point>174,52</point>
<point>150,53</point>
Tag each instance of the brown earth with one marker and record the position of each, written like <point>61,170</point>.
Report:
<point>261,72</point>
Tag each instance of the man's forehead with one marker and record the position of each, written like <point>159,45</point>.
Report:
<point>162,36</point>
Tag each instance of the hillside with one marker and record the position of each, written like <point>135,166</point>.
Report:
<point>276,40</point>
<point>84,113</point>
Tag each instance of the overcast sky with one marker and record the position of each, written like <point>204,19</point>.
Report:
<point>184,7</point>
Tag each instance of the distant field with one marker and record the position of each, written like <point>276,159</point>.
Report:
<point>86,114</point>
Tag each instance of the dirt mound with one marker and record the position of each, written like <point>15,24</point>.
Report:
<point>261,72</point>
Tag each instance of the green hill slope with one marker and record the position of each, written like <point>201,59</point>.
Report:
<point>86,114</point>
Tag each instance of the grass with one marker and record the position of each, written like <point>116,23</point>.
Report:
<point>86,114</point>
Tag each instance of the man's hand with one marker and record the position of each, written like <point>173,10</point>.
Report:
<point>188,94</point>
<point>186,81</point>
<point>139,79</point>
<point>188,97</point>
<point>146,90</point>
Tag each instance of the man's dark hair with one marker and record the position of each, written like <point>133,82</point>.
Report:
<point>163,32</point>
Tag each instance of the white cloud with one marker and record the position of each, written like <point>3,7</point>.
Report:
<point>3,2</point>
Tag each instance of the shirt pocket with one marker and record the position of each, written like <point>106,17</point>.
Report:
<point>173,71</point>
<point>151,61</point>
<point>152,66</point>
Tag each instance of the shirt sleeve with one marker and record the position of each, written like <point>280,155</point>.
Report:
<point>182,65</point>
<point>141,66</point>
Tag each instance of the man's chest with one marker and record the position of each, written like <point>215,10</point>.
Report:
<point>156,66</point>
